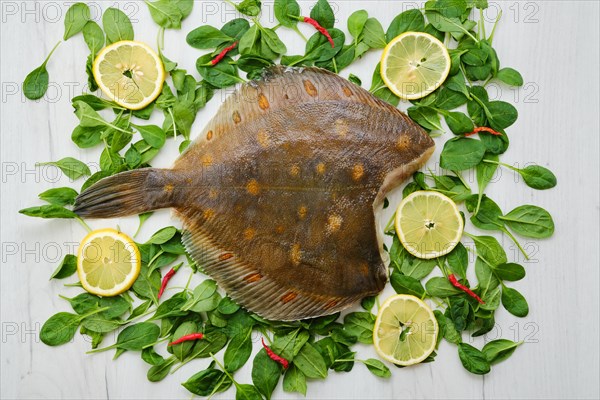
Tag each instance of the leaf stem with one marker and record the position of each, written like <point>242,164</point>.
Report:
<point>459,176</point>
<point>491,38</point>
<point>82,223</point>
<point>51,51</point>
<point>510,235</point>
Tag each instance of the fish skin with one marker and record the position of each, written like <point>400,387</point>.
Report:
<point>279,192</point>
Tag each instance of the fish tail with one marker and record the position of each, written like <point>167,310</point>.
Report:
<point>127,193</point>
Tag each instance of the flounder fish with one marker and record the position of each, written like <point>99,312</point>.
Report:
<point>278,196</point>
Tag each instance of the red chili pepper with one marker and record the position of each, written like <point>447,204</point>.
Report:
<point>274,356</point>
<point>318,27</point>
<point>166,279</point>
<point>483,129</point>
<point>465,289</point>
<point>187,338</point>
<point>223,53</point>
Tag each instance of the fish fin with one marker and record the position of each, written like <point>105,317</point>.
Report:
<point>256,292</point>
<point>127,193</point>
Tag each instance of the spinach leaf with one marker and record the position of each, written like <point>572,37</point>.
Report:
<point>310,362</point>
<point>207,382</point>
<point>408,21</point>
<point>67,267</point>
<point>294,380</point>
<point>510,77</point>
<point>461,153</point>
<point>160,371</point>
<point>59,328</point>
<point>286,11</point>
<point>514,302</point>
<point>447,329</point>
<point>138,336</point>
<point>377,368</point>
<point>221,75</point>
<point>425,116</point>
<point>94,37</point>
<point>373,34</point>
<point>530,221</point>
<point>207,37</point>
<point>63,196</point>
<point>403,284</point>
<point>458,260</point>
<point>472,359</point>
<point>117,25</point>
<point>499,350</point>
<point>249,7</point>
<point>76,18</point>
<point>238,351</point>
<point>509,272</point>
<point>485,173</point>
<point>356,24</point>
<point>323,14</point>
<point>360,324</point>
<point>440,287</point>
<point>379,89</point>
<point>48,211</point>
<point>537,177</point>
<point>489,249</point>
<point>182,350</point>
<point>458,122</point>
<point>35,84</point>
<point>265,373</point>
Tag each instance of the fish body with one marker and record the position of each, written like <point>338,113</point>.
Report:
<point>279,192</point>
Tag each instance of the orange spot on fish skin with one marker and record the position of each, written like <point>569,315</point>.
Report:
<point>358,171</point>
<point>263,103</point>
<point>330,305</point>
<point>209,213</point>
<point>302,211</point>
<point>403,142</point>
<point>364,269</point>
<point>280,229</point>
<point>225,256</point>
<point>296,254</point>
<point>168,188</point>
<point>207,160</point>
<point>252,187</point>
<point>263,138</point>
<point>209,135</point>
<point>251,278</point>
<point>347,91</point>
<point>295,170</point>
<point>249,233</point>
<point>310,88</point>
<point>236,117</point>
<point>213,193</point>
<point>334,222</point>
<point>289,296</point>
<point>341,127</point>
<point>320,168</point>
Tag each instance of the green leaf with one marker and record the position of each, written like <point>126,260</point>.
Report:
<point>489,249</point>
<point>249,7</point>
<point>163,235</point>
<point>159,372</point>
<point>378,368</point>
<point>360,324</point>
<point>36,82</point>
<point>165,13</point>
<point>447,329</point>
<point>150,356</point>
<point>213,342</point>
<point>473,360</point>
<point>485,276</point>
<point>530,221</point>
<point>97,323</point>
<point>265,373</point>
<point>238,351</point>
<point>59,329</point>
<point>403,284</point>
<point>537,177</point>
<point>59,196</point>
<point>318,48</point>
<point>117,25</point>
<point>294,380</point>
<point>459,123</point>
<point>427,117</point>
<point>501,114</point>
<point>514,302</point>
<point>138,336</point>
<point>416,267</point>
<point>408,21</point>
<point>323,14</point>
<point>448,8</point>
<point>373,34</point>
<point>152,134</point>
<point>510,77</point>
<point>356,23</point>
<point>221,75</point>
<point>499,350</point>
<point>485,173</point>
<point>461,153</point>
<point>271,39</point>
<point>459,312</point>
<point>75,19</point>
<point>48,211</point>
<point>440,287</point>
<point>182,350</point>
<point>147,284</point>
<point>379,89</point>
<point>93,36</point>
<point>289,345</point>
<point>458,260</point>
<point>285,11</point>
<point>509,272</point>
<point>310,362</point>
<point>247,392</point>
<point>67,267</point>
<point>449,99</point>
<point>208,382</point>
<point>491,299</point>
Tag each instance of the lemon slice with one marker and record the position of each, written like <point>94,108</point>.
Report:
<point>428,224</point>
<point>405,331</point>
<point>108,262</point>
<point>414,64</point>
<point>130,73</point>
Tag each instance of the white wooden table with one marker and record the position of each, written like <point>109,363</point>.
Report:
<point>554,44</point>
